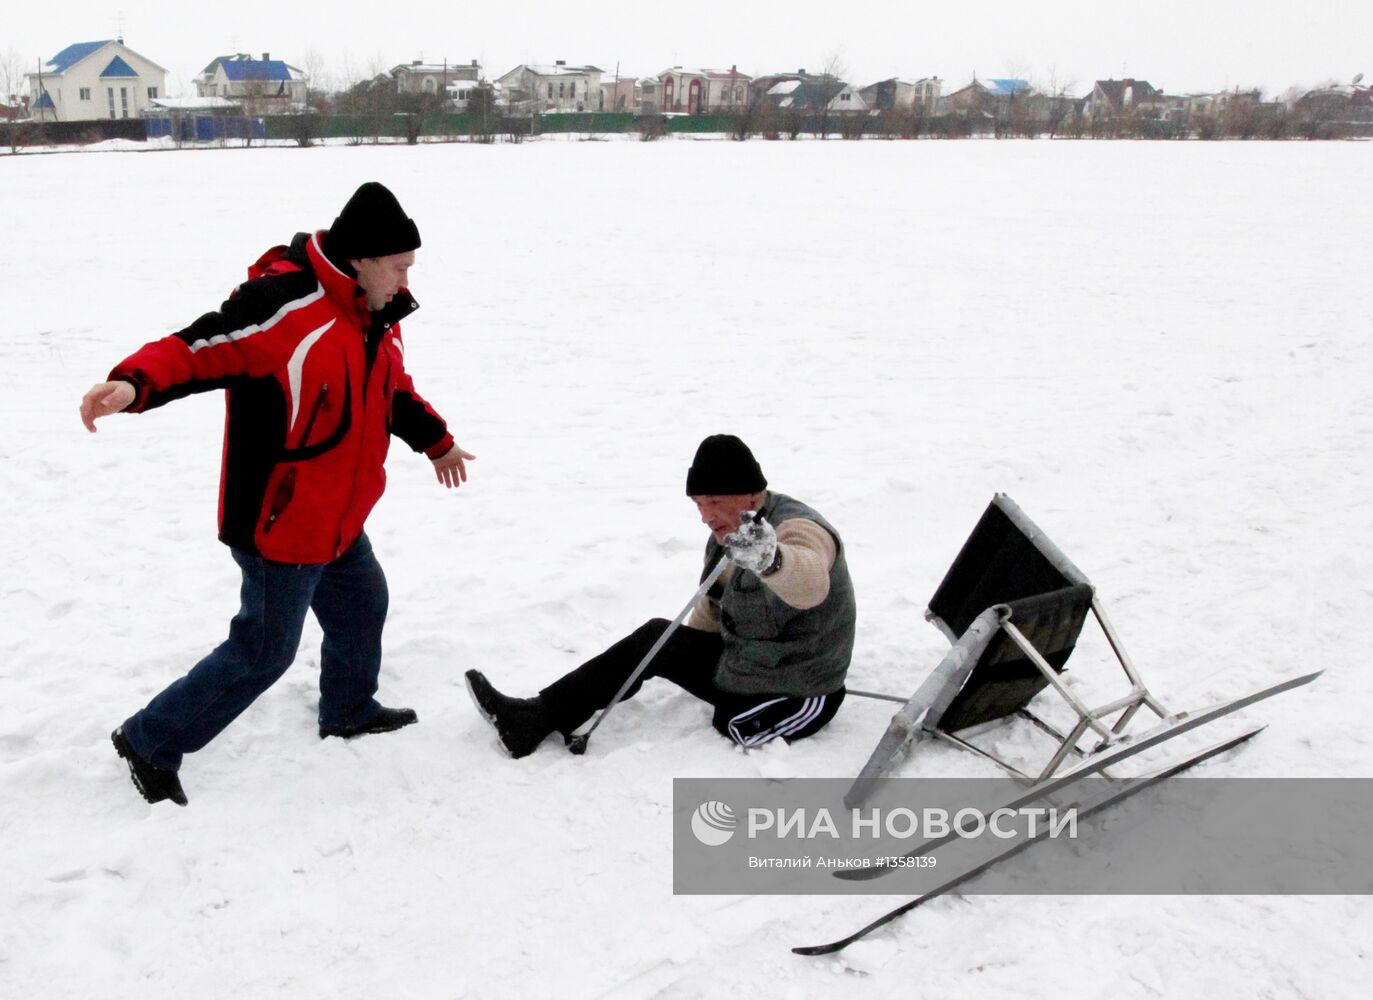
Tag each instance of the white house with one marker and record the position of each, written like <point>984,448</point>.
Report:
<point>459,93</point>
<point>698,91</point>
<point>260,86</point>
<point>92,80</point>
<point>419,77</point>
<point>559,87</point>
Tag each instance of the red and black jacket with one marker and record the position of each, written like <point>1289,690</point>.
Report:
<point>315,385</point>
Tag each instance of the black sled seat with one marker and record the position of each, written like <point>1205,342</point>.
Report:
<point>1014,607</point>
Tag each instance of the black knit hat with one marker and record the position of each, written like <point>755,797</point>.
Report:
<point>724,466</point>
<point>372,224</point>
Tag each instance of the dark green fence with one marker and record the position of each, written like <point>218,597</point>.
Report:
<point>365,127</point>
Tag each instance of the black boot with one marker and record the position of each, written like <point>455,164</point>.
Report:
<point>521,723</point>
<point>153,783</point>
<point>386,721</point>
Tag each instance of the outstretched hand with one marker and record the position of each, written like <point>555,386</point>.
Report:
<point>103,399</point>
<point>450,468</point>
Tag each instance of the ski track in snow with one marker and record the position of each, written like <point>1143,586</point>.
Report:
<point>1161,351</point>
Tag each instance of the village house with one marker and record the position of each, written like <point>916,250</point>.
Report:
<point>419,77</point>
<point>991,100</point>
<point>802,91</point>
<point>620,95</point>
<point>903,95</point>
<point>1349,101</point>
<point>263,86</point>
<point>1123,98</point>
<point>559,87</point>
<point>93,80</point>
<point>700,91</point>
<point>650,96</point>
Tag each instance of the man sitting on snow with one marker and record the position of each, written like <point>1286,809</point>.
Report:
<point>768,645</point>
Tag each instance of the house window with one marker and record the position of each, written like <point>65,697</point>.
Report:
<point>550,91</point>
<point>109,92</point>
<point>561,87</point>
<point>124,100</point>
<point>85,93</point>
<point>152,93</point>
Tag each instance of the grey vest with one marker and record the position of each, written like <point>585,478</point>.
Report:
<point>771,647</point>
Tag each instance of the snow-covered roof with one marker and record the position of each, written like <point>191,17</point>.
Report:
<point>73,54</point>
<point>784,87</point>
<point>562,70</point>
<point>712,74</point>
<point>428,68</point>
<point>194,103</point>
<point>117,68</point>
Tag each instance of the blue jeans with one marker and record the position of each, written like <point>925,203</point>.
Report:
<point>349,599</point>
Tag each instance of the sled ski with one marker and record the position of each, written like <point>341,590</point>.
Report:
<point>1109,796</point>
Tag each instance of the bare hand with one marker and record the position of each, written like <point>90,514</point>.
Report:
<point>449,467</point>
<point>103,399</point>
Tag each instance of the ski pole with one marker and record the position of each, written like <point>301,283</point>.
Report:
<point>577,742</point>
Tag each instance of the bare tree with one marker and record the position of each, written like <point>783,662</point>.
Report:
<point>318,86</point>
<point>832,71</point>
<point>1060,103</point>
<point>253,100</point>
<point>12,85</point>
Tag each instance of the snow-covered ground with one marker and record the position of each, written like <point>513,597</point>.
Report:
<point>1161,351</point>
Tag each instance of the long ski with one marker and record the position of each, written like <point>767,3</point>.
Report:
<point>1085,808</point>
<point>1119,751</point>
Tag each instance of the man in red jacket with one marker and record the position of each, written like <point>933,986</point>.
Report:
<point>310,356</point>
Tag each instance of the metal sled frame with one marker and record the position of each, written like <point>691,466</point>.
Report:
<point>924,714</point>
<point>1087,718</point>
<point>1012,598</point>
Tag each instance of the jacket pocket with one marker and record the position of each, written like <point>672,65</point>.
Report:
<point>324,402</point>
<point>281,499</point>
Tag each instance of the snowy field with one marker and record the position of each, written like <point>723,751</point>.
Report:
<point>1161,351</point>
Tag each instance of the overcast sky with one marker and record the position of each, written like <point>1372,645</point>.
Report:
<point>1178,45</point>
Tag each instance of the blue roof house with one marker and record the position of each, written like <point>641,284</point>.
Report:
<point>92,80</point>
<point>986,99</point>
<point>260,86</point>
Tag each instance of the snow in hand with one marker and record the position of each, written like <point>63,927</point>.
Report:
<point>1161,351</point>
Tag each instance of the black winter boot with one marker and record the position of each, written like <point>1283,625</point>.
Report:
<point>153,783</point>
<point>521,723</point>
<point>386,721</point>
